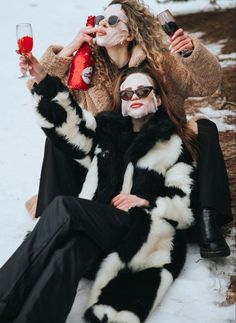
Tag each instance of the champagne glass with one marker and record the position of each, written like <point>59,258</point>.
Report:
<point>24,36</point>
<point>170,26</point>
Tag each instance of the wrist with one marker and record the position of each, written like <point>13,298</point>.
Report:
<point>67,51</point>
<point>143,201</point>
<point>146,203</point>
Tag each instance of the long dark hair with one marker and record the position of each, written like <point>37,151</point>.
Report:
<point>187,135</point>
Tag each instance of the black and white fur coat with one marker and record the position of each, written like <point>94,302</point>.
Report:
<point>153,164</point>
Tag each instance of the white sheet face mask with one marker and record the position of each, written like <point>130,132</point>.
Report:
<point>138,107</point>
<point>116,34</point>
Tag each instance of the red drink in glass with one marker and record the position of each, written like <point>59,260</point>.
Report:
<point>25,44</point>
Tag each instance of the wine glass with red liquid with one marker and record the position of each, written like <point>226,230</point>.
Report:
<point>170,26</point>
<point>24,36</point>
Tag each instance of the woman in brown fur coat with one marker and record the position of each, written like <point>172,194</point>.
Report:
<point>137,39</point>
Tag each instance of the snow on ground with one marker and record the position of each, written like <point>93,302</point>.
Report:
<point>218,116</point>
<point>198,294</point>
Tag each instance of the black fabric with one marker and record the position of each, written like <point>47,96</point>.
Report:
<point>69,240</point>
<point>212,179</point>
<point>60,175</point>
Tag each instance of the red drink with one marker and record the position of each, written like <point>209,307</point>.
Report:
<point>170,28</point>
<point>25,44</point>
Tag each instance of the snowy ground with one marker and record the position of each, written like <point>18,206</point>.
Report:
<point>198,294</point>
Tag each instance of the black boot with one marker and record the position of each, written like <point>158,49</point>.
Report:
<point>211,241</point>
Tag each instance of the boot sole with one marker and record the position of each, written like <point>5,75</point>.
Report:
<point>206,253</point>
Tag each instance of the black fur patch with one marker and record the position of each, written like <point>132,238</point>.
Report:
<point>52,112</point>
<point>178,254</point>
<point>49,87</point>
<point>136,236</point>
<point>85,131</point>
<point>159,128</point>
<point>62,144</point>
<point>130,291</point>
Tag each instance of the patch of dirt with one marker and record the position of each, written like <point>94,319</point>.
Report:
<point>219,27</point>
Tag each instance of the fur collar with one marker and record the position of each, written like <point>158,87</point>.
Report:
<point>137,56</point>
<point>158,128</point>
<point>116,128</point>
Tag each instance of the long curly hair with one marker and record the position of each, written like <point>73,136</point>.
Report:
<point>187,135</point>
<point>146,31</point>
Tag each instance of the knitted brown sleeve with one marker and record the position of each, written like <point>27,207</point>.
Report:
<point>196,75</point>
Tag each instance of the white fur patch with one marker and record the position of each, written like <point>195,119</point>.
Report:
<point>155,252</point>
<point>90,121</point>
<point>166,281</point>
<point>62,98</point>
<point>179,176</point>
<point>98,150</point>
<point>70,128</point>
<point>109,269</point>
<point>128,179</point>
<point>163,155</point>
<point>70,131</point>
<point>43,122</point>
<point>91,181</point>
<point>176,208</point>
<point>114,316</point>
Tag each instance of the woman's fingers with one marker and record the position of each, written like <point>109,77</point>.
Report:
<point>179,32</point>
<point>35,68</point>
<point>117,197</point>
<point>181,41</point>
<point>89,30</point>
<point>125,201</point>
<point>118,201</point>
<point>23,62</point>
<point>177,40</point>
<point>183,45</point>
<point>123,207</point>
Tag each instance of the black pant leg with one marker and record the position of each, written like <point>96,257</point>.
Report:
<point>52,296</point>
<point>60,175</point>
<point>212,178</point>
<point>65,216</point>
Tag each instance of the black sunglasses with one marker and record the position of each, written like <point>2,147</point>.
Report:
<point>142,92</point>
<point>112,20</point>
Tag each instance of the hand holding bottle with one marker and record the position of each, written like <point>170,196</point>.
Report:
<point>84,35</point>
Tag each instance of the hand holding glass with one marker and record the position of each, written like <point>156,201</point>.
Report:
<point>24,36</point>
<point>169,25</point>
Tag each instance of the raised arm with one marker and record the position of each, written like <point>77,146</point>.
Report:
<point>57,59</point>
<point>196,75</point>
<point>71,128</point>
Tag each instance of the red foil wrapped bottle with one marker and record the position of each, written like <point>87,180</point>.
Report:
<point>81,68</point>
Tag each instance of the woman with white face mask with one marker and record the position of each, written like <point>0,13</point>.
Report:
<point>133,207</point>
<point>128,34</point>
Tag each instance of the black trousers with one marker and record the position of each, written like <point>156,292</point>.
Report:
<point>38,283</point>
<point>62,176</point>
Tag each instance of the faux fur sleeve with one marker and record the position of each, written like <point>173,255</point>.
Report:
<point>71,128</point>
<point>175,203</point>
<point>53,63</point>
<point>196,75</point>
